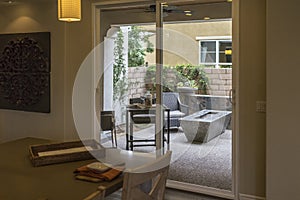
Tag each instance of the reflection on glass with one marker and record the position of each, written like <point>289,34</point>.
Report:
<point>208,52</point>
<point>224,51</point>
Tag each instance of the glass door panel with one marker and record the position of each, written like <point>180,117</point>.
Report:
<point>195,93</point>
<point>201,135</point>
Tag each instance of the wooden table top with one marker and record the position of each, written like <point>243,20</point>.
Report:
<point>20,180</point>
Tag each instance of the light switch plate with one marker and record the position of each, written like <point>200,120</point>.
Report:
<point>261,106</point>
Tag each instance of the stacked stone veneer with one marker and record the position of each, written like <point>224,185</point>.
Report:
<point>220,81</point>
<point>136,79</point>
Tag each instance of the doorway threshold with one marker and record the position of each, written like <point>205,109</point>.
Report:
<point>199,189</point>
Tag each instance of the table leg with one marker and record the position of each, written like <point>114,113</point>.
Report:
<point>127,147</point>
<point>168,130</point>
<point>163,136</point>
<point>131,136</point>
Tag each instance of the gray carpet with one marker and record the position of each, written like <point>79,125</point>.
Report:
<point>206,164</point>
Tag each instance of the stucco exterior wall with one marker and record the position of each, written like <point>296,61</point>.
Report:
<point>178,35</point>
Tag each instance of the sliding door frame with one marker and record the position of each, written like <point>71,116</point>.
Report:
<point>96,33</point>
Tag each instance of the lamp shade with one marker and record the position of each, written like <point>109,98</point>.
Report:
<point>69,10</point>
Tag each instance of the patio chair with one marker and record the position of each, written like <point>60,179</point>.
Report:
<point>177,109</point>
<point>107,123</point>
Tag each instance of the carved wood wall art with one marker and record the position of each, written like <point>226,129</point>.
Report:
<point>25,72</point>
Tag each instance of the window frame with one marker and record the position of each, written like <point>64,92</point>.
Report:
<point>217,40</point>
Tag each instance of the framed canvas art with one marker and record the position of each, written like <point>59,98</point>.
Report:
<point>25,71</point>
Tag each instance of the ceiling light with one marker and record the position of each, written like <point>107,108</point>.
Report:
<point>164,4</point>
<point>206,18</point>
<point>188,14</point>
<point>9,2</point>
<point>69,10</point>
<point>229,1</point>
<point>228,52</point>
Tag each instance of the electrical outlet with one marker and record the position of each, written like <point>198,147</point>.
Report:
<point>261,106</point>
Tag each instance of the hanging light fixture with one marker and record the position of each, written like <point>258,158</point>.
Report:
<point>69,10</point>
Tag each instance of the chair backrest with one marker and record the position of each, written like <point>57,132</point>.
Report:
<point>170,99</point>
<point>107,119</point>
<point>136,100</point>
<point>147,182</point>
<point>140,100</point>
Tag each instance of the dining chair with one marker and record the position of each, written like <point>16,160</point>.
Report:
<point>107,123</point>
<point>145,182</point>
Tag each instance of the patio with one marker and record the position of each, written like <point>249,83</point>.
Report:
<point>207,164</point>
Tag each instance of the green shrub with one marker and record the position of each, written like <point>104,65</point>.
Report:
<point>180,75</point>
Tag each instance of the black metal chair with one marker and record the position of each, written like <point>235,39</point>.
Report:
<point>107,123</point>
<point>143,116</point>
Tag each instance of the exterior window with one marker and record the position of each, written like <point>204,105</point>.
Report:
<point>216,53</point>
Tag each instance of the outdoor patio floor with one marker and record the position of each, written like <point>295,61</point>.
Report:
<point>206,164</point>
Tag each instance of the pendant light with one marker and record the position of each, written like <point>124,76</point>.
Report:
<point>69,10</point>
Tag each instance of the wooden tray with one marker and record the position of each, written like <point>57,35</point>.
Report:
<point>53,153</point>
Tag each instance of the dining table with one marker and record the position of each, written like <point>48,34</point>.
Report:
<point>20,179</point>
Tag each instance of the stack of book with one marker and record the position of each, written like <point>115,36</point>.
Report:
<point>98,171</point>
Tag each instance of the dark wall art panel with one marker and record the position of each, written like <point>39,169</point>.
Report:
<point>25,72</point>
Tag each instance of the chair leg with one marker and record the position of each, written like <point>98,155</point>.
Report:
<point>112,137</point>
<point>115,134</point>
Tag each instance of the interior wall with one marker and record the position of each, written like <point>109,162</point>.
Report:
<point>283,97</point>
<point>66,39</point>
<point>252,88</point>
<point>28,17</point>
<point>78,46</point>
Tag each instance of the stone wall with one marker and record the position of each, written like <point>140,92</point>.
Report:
<point>220,81</point>
<point>136,79</point>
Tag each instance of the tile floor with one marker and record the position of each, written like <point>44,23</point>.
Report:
<point>172,194</point>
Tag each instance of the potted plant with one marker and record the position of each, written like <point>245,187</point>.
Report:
<point>186,88</point>
<point>196,77</point>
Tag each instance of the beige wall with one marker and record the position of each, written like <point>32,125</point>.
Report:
<point>183,36</point>
<point>252,88</point>
<point>66,39</point>
<point>283,97</point>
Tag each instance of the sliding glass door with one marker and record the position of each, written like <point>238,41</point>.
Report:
<point>184,61</point>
